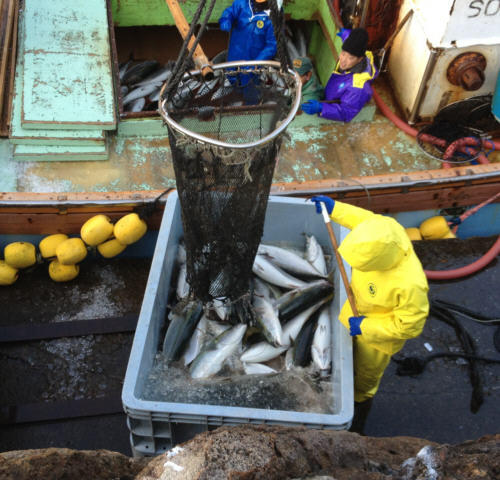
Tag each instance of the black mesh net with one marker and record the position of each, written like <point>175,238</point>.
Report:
<point>225,133</point>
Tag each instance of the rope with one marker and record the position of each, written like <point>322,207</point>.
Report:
<point>183,60</point>
<point>278,21</point>
<point>456,222</point>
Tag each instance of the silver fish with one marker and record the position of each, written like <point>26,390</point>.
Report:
<point>136,105</point>
<point>301,42</point>
<point>123,69</point>
<point>269,272</point>
<point>180,329</point>
<point>206,88</point>
<point>222,309</point>
<point>315,255</point>
<point>288,260</point>
<point>181,253</point>
<point>321,350</point>
<point>292,328</point>
<point>292,49</point>
<point>257,369</point>
<point>140,92</point>
<point>214,329</point>
<point>261,352</point>
<point>182,284</point>
<point>137,72</point>
<point>160,76</point>
<point>155,96</point>
<point>211,359</point>
<point>268,321</point>
<point>196,342</point>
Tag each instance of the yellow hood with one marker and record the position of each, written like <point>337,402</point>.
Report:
<point>378,243</point>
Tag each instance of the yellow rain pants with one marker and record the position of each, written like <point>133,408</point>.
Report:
<point>389,287</point>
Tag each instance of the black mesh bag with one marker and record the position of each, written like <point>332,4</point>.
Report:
<point>225,133</point>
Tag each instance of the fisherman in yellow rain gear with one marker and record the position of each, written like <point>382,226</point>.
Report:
<point>390,290</point>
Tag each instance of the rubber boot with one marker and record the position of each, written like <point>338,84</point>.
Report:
<point>361,411</point>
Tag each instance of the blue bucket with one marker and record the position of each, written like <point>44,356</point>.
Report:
<point>495,105</point>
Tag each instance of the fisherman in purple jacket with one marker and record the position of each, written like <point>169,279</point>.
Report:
<point>349,86</point>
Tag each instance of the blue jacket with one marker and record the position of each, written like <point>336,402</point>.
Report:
<point>352,90</point>
<point>252,35</point>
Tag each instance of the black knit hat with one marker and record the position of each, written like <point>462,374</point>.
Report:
<point>356,42</point>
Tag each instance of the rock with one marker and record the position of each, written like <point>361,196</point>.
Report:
<point>63,463</point>
<point>254,452</point>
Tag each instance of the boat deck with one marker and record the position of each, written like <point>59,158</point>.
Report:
<point>319,154</point>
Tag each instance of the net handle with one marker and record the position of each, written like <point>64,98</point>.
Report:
<point>240,146</point>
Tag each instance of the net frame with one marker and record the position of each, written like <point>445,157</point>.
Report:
<point>241,65</point>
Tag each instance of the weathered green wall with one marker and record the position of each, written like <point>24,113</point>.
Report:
<point>127,13</point>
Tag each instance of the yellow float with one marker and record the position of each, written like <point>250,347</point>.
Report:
<point>20,254</point>
<point>71,251</point>
<point>49,244</point>
<point>8,274</point>
<point>129,229</point>
<point>96,230</point>
<point>63,273</point>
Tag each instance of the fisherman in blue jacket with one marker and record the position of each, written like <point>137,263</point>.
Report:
<point>350,82</point>
<point>252,34</point>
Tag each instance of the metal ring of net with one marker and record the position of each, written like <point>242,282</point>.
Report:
<point>450,142</point>
<point>225,134</point>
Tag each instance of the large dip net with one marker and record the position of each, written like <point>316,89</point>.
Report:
<point>225,131</point>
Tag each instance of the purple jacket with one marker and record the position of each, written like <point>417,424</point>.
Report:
<point>352,90</point>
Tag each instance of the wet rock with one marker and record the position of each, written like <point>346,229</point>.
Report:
<point>63,463</point>
<point>255,452</point>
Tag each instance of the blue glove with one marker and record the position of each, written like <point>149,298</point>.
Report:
<point>329,203</point>
<point>355,325</point>
<point>225,25</point>
<point>312,107</point>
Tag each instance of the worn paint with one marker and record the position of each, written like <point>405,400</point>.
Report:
<point>128,13</point>
<point>23,136</point>
<point>67,66</point>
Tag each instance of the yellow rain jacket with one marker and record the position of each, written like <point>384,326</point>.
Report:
<point>389,287</point>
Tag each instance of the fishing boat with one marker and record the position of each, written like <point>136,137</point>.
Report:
<point>67,157</point>
<point>69,152</point>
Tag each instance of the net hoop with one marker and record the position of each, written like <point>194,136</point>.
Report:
<point>236,146</point>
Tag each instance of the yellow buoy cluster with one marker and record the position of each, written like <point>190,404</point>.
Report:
<point>64,253</point>
<point>433,228</point>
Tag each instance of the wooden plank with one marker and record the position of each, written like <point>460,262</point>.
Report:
<point>67,66</point>
<point>23,136</point>
<point>15,223</point>
<point>71,328</point>
<point>59,153</point>
<point>61,410</point>
<point>9,64</point>
<point>7,23</point>
<point>12,63</point>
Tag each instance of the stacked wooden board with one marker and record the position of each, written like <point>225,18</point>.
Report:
<point>63,98</point>
<point>8,36</point>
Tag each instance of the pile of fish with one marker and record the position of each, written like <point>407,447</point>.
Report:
<point>140,84</point>
<point>290,296</point>
<point>295,42</point>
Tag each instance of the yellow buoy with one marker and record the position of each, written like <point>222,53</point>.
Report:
<point>435,228</point>
<point>413,233</point>
<point>96,230</point>
<point>20,254</point>
<point>71,251</point>
<point>63,273</point>
<point>129,229</point>
<point>49,244</point>
<point>111,248</point>
<point>8,274</point>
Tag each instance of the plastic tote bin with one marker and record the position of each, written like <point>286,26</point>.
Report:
<point>155,426</point>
